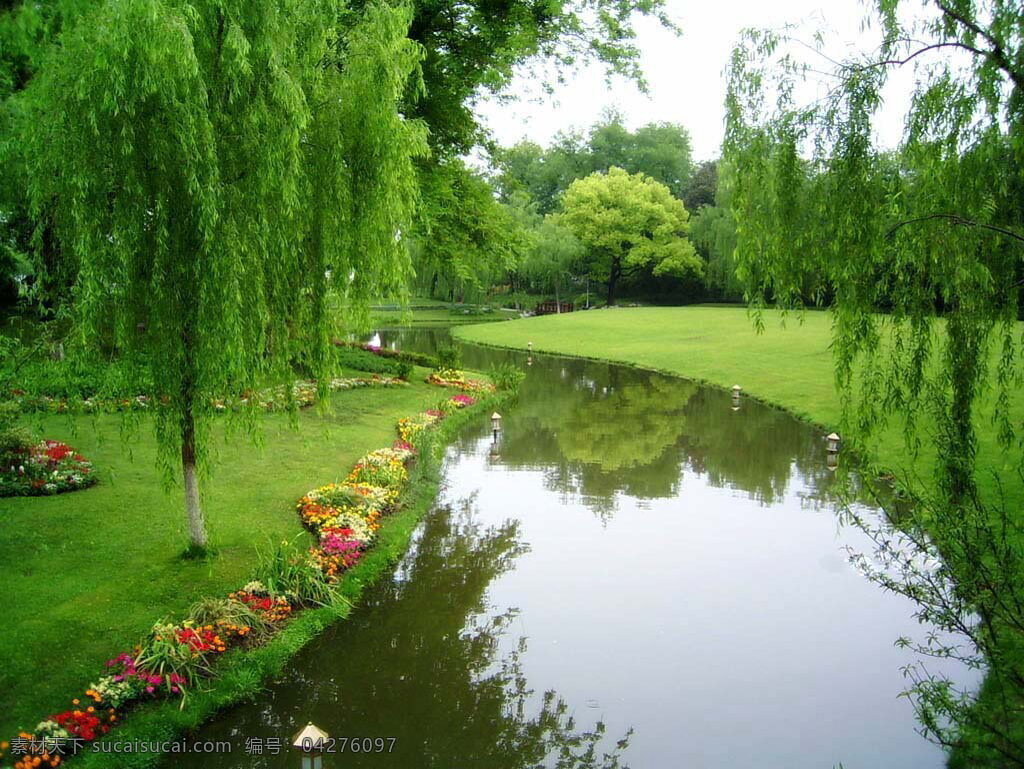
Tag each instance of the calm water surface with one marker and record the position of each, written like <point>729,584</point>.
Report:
<point>633,573</point>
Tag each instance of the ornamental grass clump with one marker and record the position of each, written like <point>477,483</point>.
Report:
<point>289,572</point>
<point>236,619</point>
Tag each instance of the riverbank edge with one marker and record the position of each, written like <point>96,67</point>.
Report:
<point>851,447</point>
<point>242,673</point>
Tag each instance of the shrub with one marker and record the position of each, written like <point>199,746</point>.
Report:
<point>364,360</point>
<point>228,613</point>
<point>15,443</point>
<point>449,356</point>
<point>506,376</point>
<point>289,571</point>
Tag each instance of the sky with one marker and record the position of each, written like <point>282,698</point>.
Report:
<point>685,74</point>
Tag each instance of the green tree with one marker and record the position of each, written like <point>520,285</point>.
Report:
<point>702,187</point>
<point>465,239</point>
<point>660,150</point>
<point>212,170</point>
<point>542,174</point>
<point>628,223</point>
<point>476,47</point>
<point>553,257</point>
<point>932,233</point>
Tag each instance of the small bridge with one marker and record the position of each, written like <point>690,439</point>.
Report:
<point>551,308</point>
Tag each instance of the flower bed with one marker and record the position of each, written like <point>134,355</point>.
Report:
<point>175,656</point>
<point>48,467</point>
<point>450,377</point>
<point>301,394</point>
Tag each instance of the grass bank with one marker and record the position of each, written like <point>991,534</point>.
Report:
<point>88,573</point>
<point>241,673</point>
<point>789,365</point>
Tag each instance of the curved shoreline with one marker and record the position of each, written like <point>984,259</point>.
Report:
<point>852,448</point>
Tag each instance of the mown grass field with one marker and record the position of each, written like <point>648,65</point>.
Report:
<point>789,365</point>
<point>86,574</point>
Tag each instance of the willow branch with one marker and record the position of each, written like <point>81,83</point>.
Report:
<point>997,53</point>
<point>955,219</point>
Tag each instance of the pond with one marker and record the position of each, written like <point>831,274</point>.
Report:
<point>634,574</point>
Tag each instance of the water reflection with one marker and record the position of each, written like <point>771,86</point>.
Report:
<point>601,430</point>
<point>422,662</point>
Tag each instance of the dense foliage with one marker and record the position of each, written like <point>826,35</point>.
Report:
<point>465,241</point>
<point>660,150</point>
<point>533,180</point>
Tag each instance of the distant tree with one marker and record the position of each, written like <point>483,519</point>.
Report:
<point>660,150</point>
<point>211,173</point>
<point>543,174</point>
<point>701,187</point>
<point>553,258</point>
<point>628,223</point>
<point>713,232</point>
<point>465,239</point>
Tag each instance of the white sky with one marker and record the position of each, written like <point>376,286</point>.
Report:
<point>685,74</point>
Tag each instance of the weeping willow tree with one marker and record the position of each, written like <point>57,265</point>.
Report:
<point>933,229</point>
<point>919,252</point>
<point>214,170</point>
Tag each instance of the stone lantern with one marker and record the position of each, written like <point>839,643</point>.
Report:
<point>312,741</point>
<point>833,441</point>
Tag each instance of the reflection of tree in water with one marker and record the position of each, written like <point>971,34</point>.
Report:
<point>599,430</point>
<point>753,449</point>
<point>420,662</point>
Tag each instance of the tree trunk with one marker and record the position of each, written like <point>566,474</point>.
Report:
<point>196,524</point>
<point>613,279</point>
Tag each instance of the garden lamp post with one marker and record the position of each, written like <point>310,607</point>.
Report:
<point>311,740</point>
<point>495,425</point>
<point>833,443</point>
<point>736,389</point>
<point>529,346</point>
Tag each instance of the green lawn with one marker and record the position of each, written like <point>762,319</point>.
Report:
<point>86,574</point>
<point>789,365</point>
